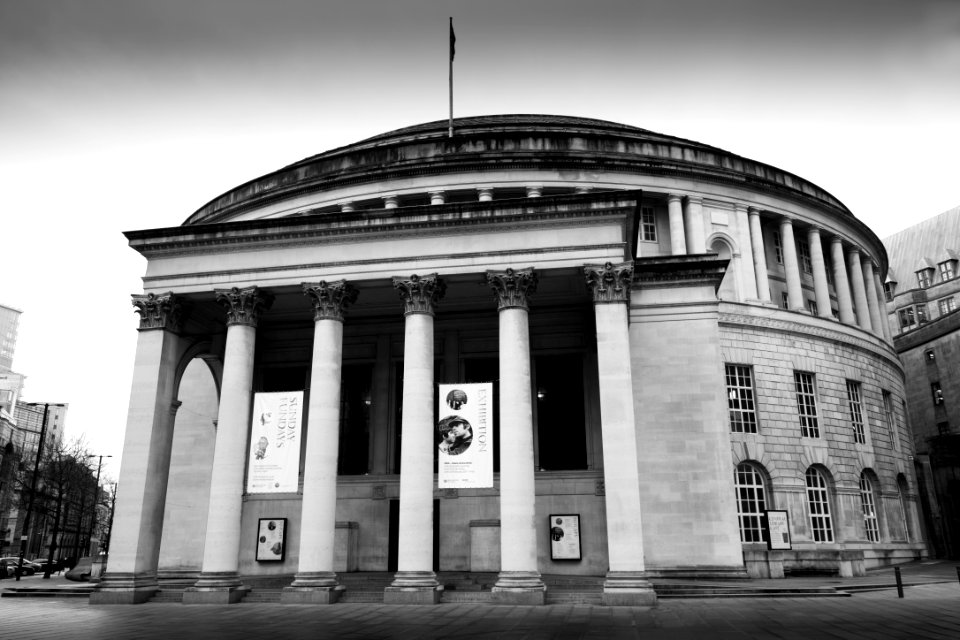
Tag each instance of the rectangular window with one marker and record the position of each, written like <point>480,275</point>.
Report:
<point>803,252</point>
<point>807,404</point>
<point>946,305</point>
<point>784,300</point>
<point>906,318</point>
<point>740,401</point>
<point>888,291</point>
<point>648,224</point>
<point>777,247</point>
<point>922,314</point>
<point>947,270</point>
<point>937,392</point>
<point>923,278</point>
<point>891,418</point>
<point>855,404</point>
<point>812,307</point>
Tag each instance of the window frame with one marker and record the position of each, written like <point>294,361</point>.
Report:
<point>948,270</point>
<point>805,391</point>
<point>777,247</point>
<point>946,305</point>
<point>924,278</point>
<point>868,505</point>
<point>855,408</point>
<point>803,255</point>
<point>648,227</point>
<point>821,519</point>
<point>751,492</point>
<point>745,394</point>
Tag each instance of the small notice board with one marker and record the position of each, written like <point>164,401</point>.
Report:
<point>565,536</point>
<point>778,530</point>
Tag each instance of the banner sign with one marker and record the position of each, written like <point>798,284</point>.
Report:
<point>778,530</point>
<point>465,436</point>
<point>565,537</point>
<point>271,536</point>
<point>274,462</point>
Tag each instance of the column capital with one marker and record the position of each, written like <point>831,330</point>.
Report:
<point>814,229</point>
<point>512,287</point>
<point>753,211</point>
<point>244,306</point>
<point>674,197</point>
<point>786,220</point>
<point>437,196</point>
<point>158,311</point>
<point>330,299</point>
<point>534,190</point>
<point>609,282</point>
<point>391,201</point>
<point>484,194</point>
<point>694,199</point>
<point>420,293</point>
<point>346,206</point>
<point>582,189</point>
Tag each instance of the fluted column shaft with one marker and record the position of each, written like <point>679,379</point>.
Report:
<point>678,241</point>
<point>821,289</point>
<point>221,553</point>
<point>841,282</point>
<point>859,291</point>
<point>873,304</point>
<point>518,516</point>
<point>319,504</point>
<point>415,543</point>
<point>693,218</point>
<point>759,255</point>
<point>791,266</point>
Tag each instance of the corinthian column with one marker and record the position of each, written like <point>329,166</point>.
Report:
<point>859,291</point>
<point>759,255</point>
<point>316,581</point>
<point>519,580</point>
<point>791,266</point>
<point>415,581</point>
<point>841,282</point>
<point>138,519</point>
<point>219,581</point>
<point>626,583</point>
<point>820,288</point>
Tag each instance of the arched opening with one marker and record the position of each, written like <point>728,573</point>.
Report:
<point>729,287</point>
<point>191,463</point>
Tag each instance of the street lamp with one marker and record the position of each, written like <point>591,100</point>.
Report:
<point>96,495</point>
<point>33,483</point>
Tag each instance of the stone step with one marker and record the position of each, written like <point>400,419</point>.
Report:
<point>262,595</point>
<point>44,593</point>
<point>361,596</point>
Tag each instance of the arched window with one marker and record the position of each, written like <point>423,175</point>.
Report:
<point>818,501</point>
<point>868,505</point>
<point>751,502</point>
<point>902,500</point>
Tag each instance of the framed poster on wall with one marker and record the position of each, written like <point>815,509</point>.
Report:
<point>565,536</point>
<point>778,530</point>
<point>271,539</point>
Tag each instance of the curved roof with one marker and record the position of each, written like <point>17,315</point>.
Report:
<point>519,141</point>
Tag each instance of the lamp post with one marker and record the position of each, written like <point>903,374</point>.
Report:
<point>96,496</point>
<point>33,484</point>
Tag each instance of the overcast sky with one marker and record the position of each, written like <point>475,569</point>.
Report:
<point>130,114</point>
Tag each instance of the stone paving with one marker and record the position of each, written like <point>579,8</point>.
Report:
<point>926,611</point>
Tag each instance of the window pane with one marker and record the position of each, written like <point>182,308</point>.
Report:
<point>868,504</point>
<point>806,404</point>
<point>751,502</point>
<point>856,411</point>
<point>818,502</point>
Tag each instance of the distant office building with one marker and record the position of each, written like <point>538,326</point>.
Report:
<point>30,419</point>
<point>9,322</point>
<point>923,290</point>
<point>674,360</point>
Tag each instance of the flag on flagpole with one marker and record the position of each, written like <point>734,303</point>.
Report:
<point>453,41</point>
<point>453,52</point>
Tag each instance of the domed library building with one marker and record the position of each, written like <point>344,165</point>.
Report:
<point>537,349</point>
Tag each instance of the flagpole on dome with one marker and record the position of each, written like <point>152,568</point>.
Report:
<point>453,50</point>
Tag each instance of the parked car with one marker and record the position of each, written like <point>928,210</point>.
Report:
<point>29,568</point>
<point>80,571</point>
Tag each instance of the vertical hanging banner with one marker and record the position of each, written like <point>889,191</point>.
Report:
<point>465,436</point>
<point>273,465</point>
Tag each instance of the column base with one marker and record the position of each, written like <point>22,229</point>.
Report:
<point>125,588</point>
<point>311,595</point>
<point>519,587</point>
<point>216,588</point>
<point>628,589</point>
<point>413,587</point>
